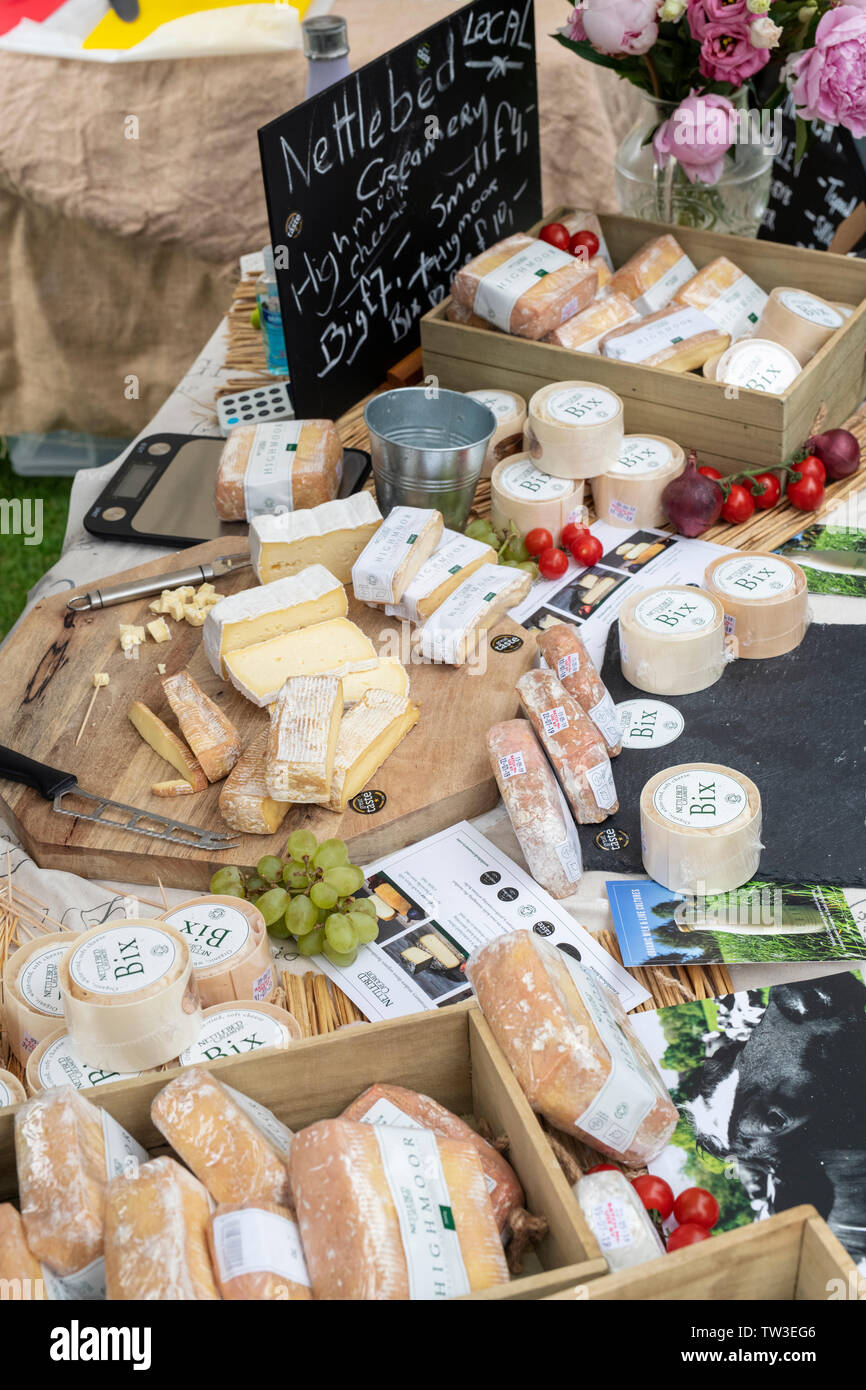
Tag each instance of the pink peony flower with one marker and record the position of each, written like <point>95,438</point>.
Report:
<point>620,26</point>
<point>728,56</point>
<point>830,79</point>
<point>574,28</point>
<point>698,135</point>
<point>702,13</point>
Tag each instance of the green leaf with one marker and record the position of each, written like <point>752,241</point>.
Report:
<point>801,140</point>
<point>632,69</point>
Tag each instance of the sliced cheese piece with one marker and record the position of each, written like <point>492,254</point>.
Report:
<point>440,951</point>
<point>278,466</point>
<point>389,894</point>
<point>257,1254</point>
<point>510,412</point>
<point>389,562</point>
<point>210,734</point>
<point>233,1030</point>
<point>368,735</point>
<point>379,673</point>
<point>766,602</point>
<point>305,718</point>
<point>333,535</point>
<point>156,1225</point>
<point>20,1272</point>
<point>700,828</point>
<point>452,633</point>
<point>167,744</point>
<point>563,651</point>
<point>230,948</point>
<point>58,1062</point>
<point>129,994</point>
<point>630,493</point>
<point>216,1137</point>
<point>61,1161</point>
<point>455,559</point>
<point>726,295</point>
<point>360,1229</point>
<point>11,1092</point>
<point>574,429</point>
<point>672,639</point>
<point>256,615</point>
<point>524,286</point>
<point>159,630</point>
<point>416,958</point>
<point>521,493</point>
<point>759,365</point>
<point>677,338</point>
<point>245,802</point>
<point>652,276</point>
<point>259,672</point>
<point>800,320</point>
<point>176,787</point>
<point>32,1003</point>
<point>585,331</point>
<point>574,746</point>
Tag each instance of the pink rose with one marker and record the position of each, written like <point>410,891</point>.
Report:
<point>830,78</point>
<point>620,26</point>
<point>698,135</point>
<point>727,54</point>
<point>705,12</point>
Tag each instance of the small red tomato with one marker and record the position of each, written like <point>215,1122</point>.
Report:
<point>584,245</point>
<point>696,1207</point>
<point>812,467</point>
<point>710,472</point>
<point>570,533</point>
<point>806,494</point>
<point>603,1168</point>
<point>587,550</point>
<point>556,234</point>
<point>686,1235</point>
<point>739,504</point>
<point>766,490</point>
<point>655,1194</point>
<point>552,563</point>
<point>538,540</point>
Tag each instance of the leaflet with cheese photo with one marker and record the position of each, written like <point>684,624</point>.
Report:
<point>591,597</point>
<point>436,902</point>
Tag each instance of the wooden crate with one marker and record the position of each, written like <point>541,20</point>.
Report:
<point>446,1053</point>
<point>729,433</point>
<point>790,1257</point>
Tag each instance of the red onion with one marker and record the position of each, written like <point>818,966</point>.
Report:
<point>838,450</point>
<point>692,502</point>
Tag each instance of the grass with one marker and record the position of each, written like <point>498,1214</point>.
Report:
<point>22,565</point>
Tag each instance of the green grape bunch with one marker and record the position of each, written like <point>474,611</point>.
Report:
<point>509,545</point>
<point>309,894</point>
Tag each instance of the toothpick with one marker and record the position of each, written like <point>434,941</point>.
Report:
<point>162,891</point>
<point>96,691</point>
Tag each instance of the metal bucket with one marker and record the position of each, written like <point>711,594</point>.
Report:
<point>428,449</point>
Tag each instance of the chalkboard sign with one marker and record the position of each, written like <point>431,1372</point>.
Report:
<point>809,199</point>
<point>382,186</point>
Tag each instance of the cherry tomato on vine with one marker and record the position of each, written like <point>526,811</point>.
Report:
<point>655,1194</point>
<point>603,1168</point>
<point>696,1207</point>
<point>556,235</point>
<point>686,1235</point>
<point>806,494</point>
<point>570,532</point>
<point>584,245</point>
<point>812,467</point>
<point>587,550</point>
<point>766,490</point>
<point>710,472</point>
<point>538,540</point>
<point>552,563</point>
<point>739,504</point>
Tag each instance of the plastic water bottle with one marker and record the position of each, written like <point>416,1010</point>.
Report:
<point>326,47</point>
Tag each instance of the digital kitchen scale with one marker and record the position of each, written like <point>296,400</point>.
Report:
<point>163,492</point>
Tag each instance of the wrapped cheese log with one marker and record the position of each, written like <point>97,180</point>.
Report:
<point>156,1236</point>
<point>536,807</point>
<point>16,1262</point>
<point>573,744</point>
<point>618,1219</point>
<point>219,1140</point>
<point>405,1109</point>
<point>571,1047</point>
<point>278,467</point>
<point>652,276</point>
<point>677,339</point>
<point>524,286</point>
<point>60,1156</point>
<point>726,295</point>
<point>256,1253</point>
<point>585,331</point>
<point>563,651</point>
<point>358,1190</point>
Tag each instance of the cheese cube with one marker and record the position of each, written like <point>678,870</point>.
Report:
<point>333,535</point>
<point>280,466</point>
<point>305,718</point>
<point>156,1236</point>
<point>195,614</point>
<point>159,630</point>
<point>677,338</point>
<point>452,633</point>
<point>245,802</point>
<point>524,286</point>
<point>254,616</point>
<point>368,735</point>
<point>389,562</point>
<point>455,559</point>
<point>653,274</point>
<point>260,671</point>
<point>60,1155</point>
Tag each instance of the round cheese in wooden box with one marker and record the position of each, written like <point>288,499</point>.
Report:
<point>11,1090</point>
<point>510,412</point>
<point>630,494</point>
<point>766,602</point>
<point>800,320</point>
<point>700,828</point>
<point>230,948</point>
<point>58,1062</point>
<point>232,1030</point>
<point>574,429</point>
<point>32,1006</point>
<point>672,639</point>
<point>521,493</point>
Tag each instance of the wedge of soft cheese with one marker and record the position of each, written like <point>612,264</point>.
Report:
<point>167,744</point>
<point>332,535</point>
<point>380,673</point>
<point>210,734</point>
<point>368,735</point>
<point>254,616</point>
<point>389,562</point>
<point>245,802</point>
<point>259,672</point>
<point>305,718</point>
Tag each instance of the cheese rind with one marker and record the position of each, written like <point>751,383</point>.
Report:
<point>700,828</point>
<point>572,743</point>
<point>368,735</point>
<point>521,493</point>
<point>245,802</point>
<point>32,1004</point>
<point>455,559</point>
<point>564,653</point>
<point>305,718</point>
<point>212,737</point>
<point>60,1157</point>
<point>261,671</point>
<point>256,1252</point>
<point>652,276</point>
<point>280,465</point>
<point>156,1236</point>
<point>524,286</point>
<point>167,744</point>
<point>677,338</point>
<point>585,331</point>
<point>630,494</point>
<point>230,948</point>
<point>452,633</point>
<point>726,295</point>
<point>257,615</point>
<point>574,429</point>
<point>536,807</point>
<point>672,639</point>
<point>510,412</point>
<point>333,535</point>
<point>389,562</point>
<point>766,602</point>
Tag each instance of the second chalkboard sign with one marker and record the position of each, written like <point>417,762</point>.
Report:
<point>382,186</point>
